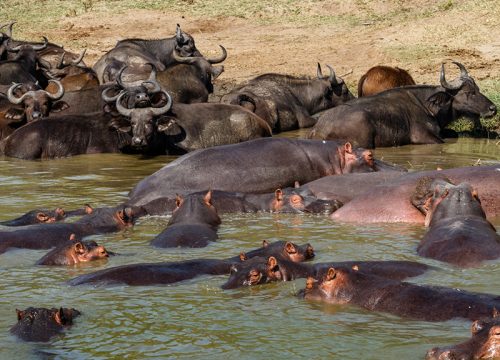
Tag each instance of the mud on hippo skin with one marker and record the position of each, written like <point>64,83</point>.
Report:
<point>74,252</point>
<point>194,223</point>
<point>483,344</point>
<point>344,285</point>
<point>458,230</point>
<point>256,166</point>
<point>41,324</point>
<point>171,272</point>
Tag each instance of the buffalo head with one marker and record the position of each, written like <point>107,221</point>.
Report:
<point>334,88</point>
<point>37,103</point>
<point>185,43</point>
<point>142,120</point>
<point>463,96</point>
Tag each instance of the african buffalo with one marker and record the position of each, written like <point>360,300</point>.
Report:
<point>380,78</point>
<point>287,102</point>
<point>255,166</point>
<point>409,115</point>
<point>139,51</point>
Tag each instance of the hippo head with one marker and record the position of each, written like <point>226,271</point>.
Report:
<point>462,96</point>
<point>184,43</point>
<point>333,287</point>
<point>37,103</point>
<point>444,200</point>
<point>484,343</point>
<point>354,160</point>
<point>40,324</point>
<point>286,202</point>
<point>285,250</point>
<point>255,271</point>
<point>88,251</point>
<point>197,209</point>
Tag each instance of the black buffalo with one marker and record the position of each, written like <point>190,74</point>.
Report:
<point>287,102</point>
<point>140,51</point>
<point>410,115</point>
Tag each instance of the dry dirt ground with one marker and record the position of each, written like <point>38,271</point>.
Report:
<point>416,36</point>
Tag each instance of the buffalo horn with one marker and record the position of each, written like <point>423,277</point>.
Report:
<point>107,98</point>
<point>332,78</point>
<point>463,71</point>
<point>119,77</point>
<point>220,58</point>
<point>17,100</point>
<point>60,64</point>
<point>121,109</point>
<point>9,33</point>
<point>59,93</point>
<point>41,47</point>
<point>447,85</point>
<point>162,110</point>
<point>319,72</point>
<point>183,59</point>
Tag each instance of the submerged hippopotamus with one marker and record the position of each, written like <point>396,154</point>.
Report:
<point>389,200</point>
<point>484,343</point>
<point>279,201</point>
<point>256,166</point>
<point>458,230</point>
<point>45,216</point>
<point>41,324</point>
<point>194,223</point>
<point>171,272</point>
<point>262,270</point>
<point>345,285</point>
<point>74,252</point>
<point>45,236</point>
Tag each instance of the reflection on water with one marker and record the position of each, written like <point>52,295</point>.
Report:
<point>197,318</point>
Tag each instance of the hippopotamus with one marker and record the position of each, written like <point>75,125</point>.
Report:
<point>74,252</point>
<point>263,270</point>
<point>43,216</point>
<point>484,343</point>
<point>279,201</point>
<point>45,236</point>
<point>458,230</point>
<point>256,166</point>
<point>194,223</point>
<point>171,272</point>
<point>389,201</point>
<point>344,285</point>
<point>41,324</point>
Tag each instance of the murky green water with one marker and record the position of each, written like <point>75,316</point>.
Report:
<point>196,319</point>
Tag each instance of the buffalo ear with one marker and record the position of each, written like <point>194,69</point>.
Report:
<point>15,114</point>
<point>59,106</point>
<point>121,125</point>
<point>169,126</point>
<point>216,71</point>
<point>438,101</point>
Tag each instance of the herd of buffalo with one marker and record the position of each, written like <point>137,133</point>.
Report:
<point>151,97</point>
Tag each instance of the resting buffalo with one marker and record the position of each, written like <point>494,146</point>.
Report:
<point>287,102</point>
<point>409,115</point>
<point>458,230</point>
<point>139,51</point>
<point>4,36</point>
<point>380,78</point>
<point>255,166</point>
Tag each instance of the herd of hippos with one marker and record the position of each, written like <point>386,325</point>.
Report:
<point>150,96</point>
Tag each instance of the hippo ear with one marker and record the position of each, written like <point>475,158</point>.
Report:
<point>496,313</point>
<point>477,326</point>
<point>476,196</point>
<point>208,198</point>
<point>58,316</point>
<point>331,274</point>
<point>60,213</point>
<point>310,282</point>
<point>20,314</point>
<point>178,201</point>
<point>272,262</point>
<point>243,257</point>
<point>278,195</point>
<point>79,247</point>
<point>42,217</point>
<point>72,237</point>
<point>348,147</point>
<point>88,209</point>
<point>265,243</point>
<point>290,248</point>
<point>296,184</point>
